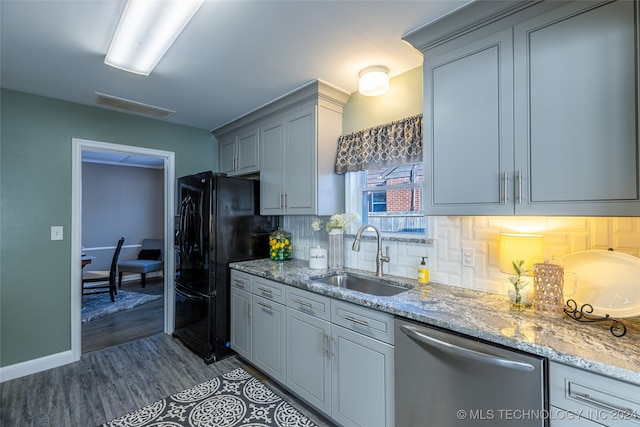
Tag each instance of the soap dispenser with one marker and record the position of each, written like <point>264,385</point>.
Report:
<point>423,271</point>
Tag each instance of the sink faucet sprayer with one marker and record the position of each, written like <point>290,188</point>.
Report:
<point>379,257</point>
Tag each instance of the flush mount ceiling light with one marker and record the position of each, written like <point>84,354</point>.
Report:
<point>374,80</point>
<point>146,31</point>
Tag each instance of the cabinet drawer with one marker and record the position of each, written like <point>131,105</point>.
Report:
<point>562,418</point>
<point>309,303</point>
<point>268,289</point>
<point>366,321</point>
<point>602,399</point>
<point>241,280</point>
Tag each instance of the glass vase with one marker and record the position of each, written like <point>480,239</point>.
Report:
<point>280,246</point>
<point>336,249</point>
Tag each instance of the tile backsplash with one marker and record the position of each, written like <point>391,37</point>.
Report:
<point>562,235</point>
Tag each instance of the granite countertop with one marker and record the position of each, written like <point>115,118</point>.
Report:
<point>589,346</point>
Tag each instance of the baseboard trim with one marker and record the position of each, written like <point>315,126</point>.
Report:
<point>129,277</point>
<point>33,366</point>
<point>126,277</point>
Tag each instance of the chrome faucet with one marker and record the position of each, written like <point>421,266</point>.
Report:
<point>379,257</point>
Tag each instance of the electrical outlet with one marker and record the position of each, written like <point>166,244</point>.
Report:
<point>56,232</point>
<point>468,257</point>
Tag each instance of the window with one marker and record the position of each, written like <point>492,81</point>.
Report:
<point>390,198</point>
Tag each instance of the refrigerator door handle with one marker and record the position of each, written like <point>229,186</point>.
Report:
<point>413,333</point>
<point>190,297</point>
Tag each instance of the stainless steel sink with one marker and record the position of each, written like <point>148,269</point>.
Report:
<point>365,285</point>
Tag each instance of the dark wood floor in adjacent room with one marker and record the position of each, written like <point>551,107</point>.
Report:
<point>128,325</point>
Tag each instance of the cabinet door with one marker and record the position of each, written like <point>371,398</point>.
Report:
<point>248,152</point>
<point>300,162</point>
<point>308,359</point>
<point>272,168</point>
<point>577,111</point>
<point>362,382</point>
<point>240,307</point>
<point>268,332</point>
<point>562,418</point>
<point>227,155</point>
<point>468,131</point>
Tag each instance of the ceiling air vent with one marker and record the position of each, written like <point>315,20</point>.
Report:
<point>120,104</point>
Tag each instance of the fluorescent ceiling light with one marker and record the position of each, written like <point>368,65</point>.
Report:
<point>146,30</point>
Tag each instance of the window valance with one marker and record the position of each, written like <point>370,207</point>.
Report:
<point>392,144</point>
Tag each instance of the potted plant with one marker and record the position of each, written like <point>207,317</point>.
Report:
<point>516,294</point>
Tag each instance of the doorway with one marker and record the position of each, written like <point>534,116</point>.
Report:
<point>108,149</point>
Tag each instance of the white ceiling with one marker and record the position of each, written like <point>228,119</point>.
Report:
<point>233,57</point>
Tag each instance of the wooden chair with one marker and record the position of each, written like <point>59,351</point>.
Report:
<point>101,276</point>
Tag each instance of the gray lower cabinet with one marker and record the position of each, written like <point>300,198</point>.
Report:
<point>336,356</point>
<point>268,327</point>
<point>362,387</point>
<point>268,330</point>
<point>309,359</point>
<point>581,398</point>
<point>240,313</point>
<point>562,418</point>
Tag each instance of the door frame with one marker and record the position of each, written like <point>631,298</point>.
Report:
<point>78,145</point>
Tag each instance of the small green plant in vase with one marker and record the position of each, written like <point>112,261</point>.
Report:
<point>518,300</point>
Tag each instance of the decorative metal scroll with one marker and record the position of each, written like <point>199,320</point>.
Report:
<point>618,329</point>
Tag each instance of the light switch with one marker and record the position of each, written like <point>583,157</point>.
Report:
<point>56,232</point>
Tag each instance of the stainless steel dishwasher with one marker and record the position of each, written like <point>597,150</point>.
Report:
<point>444,380</point>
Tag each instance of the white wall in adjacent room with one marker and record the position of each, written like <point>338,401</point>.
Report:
<point>119,201</point>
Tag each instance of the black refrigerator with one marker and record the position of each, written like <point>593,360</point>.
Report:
<point>218,223</point>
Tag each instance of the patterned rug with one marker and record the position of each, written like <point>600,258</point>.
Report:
<point>95,306</point>
<point>233,399</point>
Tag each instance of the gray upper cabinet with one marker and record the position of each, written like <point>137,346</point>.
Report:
<point>532,110</point>
<point>238,153</point>
<point>469,123</point>
<point>576,119</point>
<point>289,159</point>
<point>292,142</point>
<point>298,154</point>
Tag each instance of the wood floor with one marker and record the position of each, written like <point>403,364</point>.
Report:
<point>128,325</point>
<point>114,381</point>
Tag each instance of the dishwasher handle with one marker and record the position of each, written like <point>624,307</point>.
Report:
<point>413,333</point>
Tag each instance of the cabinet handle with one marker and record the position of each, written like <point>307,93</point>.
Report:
<point>281,204</point>
<point>358,321</point>
<point>265,290</point>
<point>519,187</point>
<point>247,308</point>
<point>267,306</point>
<point>239,282</point>
<point>620,411</point>
<point>324,344</point>
<point>505,181</point>
<point>285,200</point>
<point>332,342</point>
<point>303,303</point>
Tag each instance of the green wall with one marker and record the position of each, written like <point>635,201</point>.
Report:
<point>404,99</point>
<point>35,184</point>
